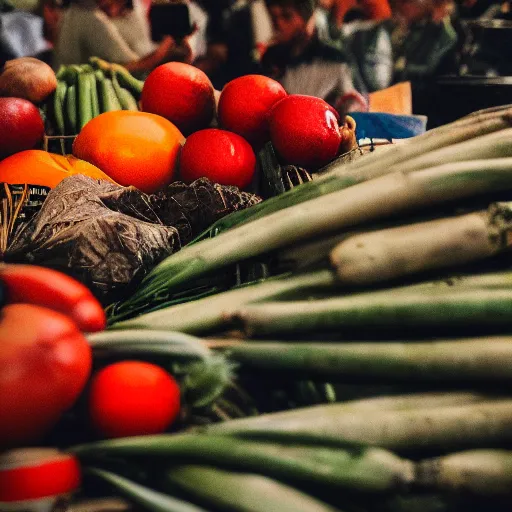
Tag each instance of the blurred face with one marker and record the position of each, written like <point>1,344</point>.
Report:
<point>288,23</point>
<point>442,10</point>
<point>112,8</point>
<point>51,17</point>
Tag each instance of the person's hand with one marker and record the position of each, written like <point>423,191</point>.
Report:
<point>166,49</point>
<point>167,44</point>
<point>351,102</point>
<point>186,51</point>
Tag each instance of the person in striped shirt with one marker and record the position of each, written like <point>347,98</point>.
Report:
<point>304,63</point>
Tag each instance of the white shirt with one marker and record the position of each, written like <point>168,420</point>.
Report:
<point>261,23</point>
<point>86,31</point>
<point>198,41</point>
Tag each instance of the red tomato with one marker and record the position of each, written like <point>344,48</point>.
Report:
<point>133,398</point>
<point>31,284</point>
<point>181,93</point>
<point>305,131</point>
<point>45,363</point>
<point>33,477</point>
<point>244,105</point>
<point>221,156</point>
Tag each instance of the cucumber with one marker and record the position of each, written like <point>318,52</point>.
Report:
<point>127,80</point>
<point>95,101</point>
<point>108,97</point>
<point>59,98</point>
<point>85,108</point>
<point>71,111</point>
<point>125,97</point>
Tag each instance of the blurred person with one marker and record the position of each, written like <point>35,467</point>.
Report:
<point>248,35</point>
<point>213,61</point>
<point>51,13</point>
<point>422,36</point>
<point>21,33</point>
<point>337,12</point>
<point>413,45</point>
<point>483,9</point>
<point>442,9</point>
<point>238,34</point>
<point>117,31</point>
<point>304,63</point>
<point>198,19</point>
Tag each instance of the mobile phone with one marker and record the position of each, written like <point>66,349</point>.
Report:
<point>171,19</point>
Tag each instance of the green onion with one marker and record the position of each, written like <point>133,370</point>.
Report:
<point>487,472</point>
<point>381,197</point>
<point>395,252</point>
<point>206,314</point>
<point>460,307</point>
<point>451,425</point>
<point>469,360</point>
<point>241,491</point>
<point>347,175</point>
<point>365,469</point>
<point>146,340</point>
<point>148,499</point>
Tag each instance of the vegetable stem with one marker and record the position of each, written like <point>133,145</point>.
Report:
<point>206,314</point>
<point>390,253</point>
<point>148,498</point>
<point>470,360</point>
<point>439,308</point>
<point>453,425</point>
<point>381,197</point>
<point>364,469</point>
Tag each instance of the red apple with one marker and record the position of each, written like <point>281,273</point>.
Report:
<point>305,131</point>
<point>21,126</point>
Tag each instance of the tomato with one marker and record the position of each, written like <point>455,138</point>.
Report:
<point>133,148</point>
<point>244,105</point>
<point>31,284</point>
<point>131,398</point>
<point>32,478</point>
<point>181,93</point>
<point>219,155</point>
<point>305,131</point>
<point>45,363</point>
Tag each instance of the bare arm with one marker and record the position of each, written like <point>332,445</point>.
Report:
<point>167,51</point>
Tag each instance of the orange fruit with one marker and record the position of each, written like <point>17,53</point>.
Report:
<point>244,105</point>
<point>305,131</point>
<point>221,156</point>
<point>21,126</point>
<point>133,148</point>
<point>181,93</point>
<point>37,167</point>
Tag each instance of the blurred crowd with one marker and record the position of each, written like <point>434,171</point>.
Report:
<point>339,50</point>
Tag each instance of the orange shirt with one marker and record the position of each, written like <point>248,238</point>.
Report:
<point>373,9</point>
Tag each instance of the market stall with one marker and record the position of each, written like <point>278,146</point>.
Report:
<point>227,303</point>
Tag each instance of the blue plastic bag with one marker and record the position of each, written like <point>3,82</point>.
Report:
<point>376,125</point>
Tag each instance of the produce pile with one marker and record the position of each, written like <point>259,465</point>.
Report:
<point>340,346</point>
<point>376,353</point>
<point>84,92</point>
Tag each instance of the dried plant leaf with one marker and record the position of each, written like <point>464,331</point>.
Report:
<point>109,236</point>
